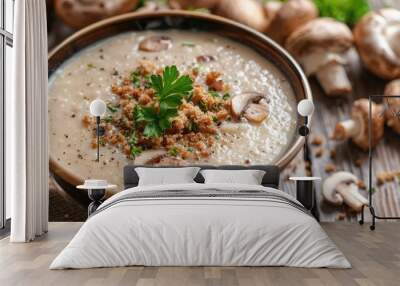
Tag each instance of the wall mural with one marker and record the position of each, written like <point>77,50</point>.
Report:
<point>182,97</point>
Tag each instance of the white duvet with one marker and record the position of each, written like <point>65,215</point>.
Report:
<point>200,231</point>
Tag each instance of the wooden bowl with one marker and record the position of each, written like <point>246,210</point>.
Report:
<point>184,20</point>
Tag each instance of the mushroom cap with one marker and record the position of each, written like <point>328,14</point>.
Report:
<point>271,8</point>
<point>377,37</point>
<point>392,108</point>
<point>329,186</point>
<point>360,114</point>
<point>324,34</point>
<point>78,14</point>
<point>248,12</point>
<point>292,15</point>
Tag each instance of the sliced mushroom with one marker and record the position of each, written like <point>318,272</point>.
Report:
<point>240,102</point>
<point>392,108</point>
<point>150,156</point>
<point>255,113</point>
<point>155,43</point>
<point>205,58</point>
<point>341,187</point>
<point>356,128</point>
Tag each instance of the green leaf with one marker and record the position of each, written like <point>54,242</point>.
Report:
<point>152,130</point>
<point>170,89</point>
<point>145,114</point>
<point>347,11</point>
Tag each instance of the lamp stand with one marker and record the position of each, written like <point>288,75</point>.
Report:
<point>304,131</point>
<point>98,137</point>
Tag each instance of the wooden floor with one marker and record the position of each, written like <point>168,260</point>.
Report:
<point>375,257</point>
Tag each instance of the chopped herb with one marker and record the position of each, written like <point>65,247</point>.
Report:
<point>217,136</point>
<point>90,66</point>
<point>188,44</point>
<point>112,109</point>
<point>170,89</point>
<point>173,152</point>
<point>132,141</point>
<point>214,93</point>
<point>190,149</point>
<point>226,96</point>
<point>135,78</point>
<point>214,118</point>
<point>203,106</point>
<point>108,119</point>
<point>102,142</point>
<point>192,126</point>
<point>135,151</point>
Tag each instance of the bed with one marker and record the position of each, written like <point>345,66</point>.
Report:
<point>198,224</point>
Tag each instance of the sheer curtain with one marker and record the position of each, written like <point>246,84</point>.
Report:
<point>26,124</point>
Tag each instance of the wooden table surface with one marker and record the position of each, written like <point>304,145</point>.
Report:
<point>386,156</point>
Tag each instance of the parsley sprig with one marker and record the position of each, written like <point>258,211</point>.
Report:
<point>347,11</point>
<point>170,89</point>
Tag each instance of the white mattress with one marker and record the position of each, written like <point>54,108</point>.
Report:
<point>193,231</point>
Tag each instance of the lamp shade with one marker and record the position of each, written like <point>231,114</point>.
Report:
<point>97,107</point>
<point>305,107</point>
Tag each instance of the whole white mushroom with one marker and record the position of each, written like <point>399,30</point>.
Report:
<point>341,187</point>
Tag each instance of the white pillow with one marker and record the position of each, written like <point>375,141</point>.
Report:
<point>248,177</point>
<point>164,176</point>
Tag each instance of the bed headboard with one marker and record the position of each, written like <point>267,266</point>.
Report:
<point>271,177</point>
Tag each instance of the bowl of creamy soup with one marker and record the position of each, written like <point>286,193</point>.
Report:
<point>180,88</point>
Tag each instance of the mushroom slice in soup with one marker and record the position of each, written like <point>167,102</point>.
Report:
<point>155,43</point>
<point>241,101</point>
<point>205,59</point>
<point>255,113</point>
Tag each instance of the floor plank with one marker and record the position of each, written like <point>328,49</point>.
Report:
<point>375,257</point>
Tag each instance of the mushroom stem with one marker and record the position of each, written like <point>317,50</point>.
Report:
<point>351,196</point>
<point>333,79</point>
<point>346,129</point>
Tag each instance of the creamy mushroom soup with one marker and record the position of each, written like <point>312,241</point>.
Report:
<point>226,105</point>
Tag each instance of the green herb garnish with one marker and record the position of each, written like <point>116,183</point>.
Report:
<point>135,78</point>
<point>132,141</point>
<point>90,66</point>
<point>188,44</point>
<point>347,11</point>
<point>226,96</point>
<point>214,93</point>
<point>112,109</point>
<point>170,89</point>
<point>173,152</point>
<point>192,126</point>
